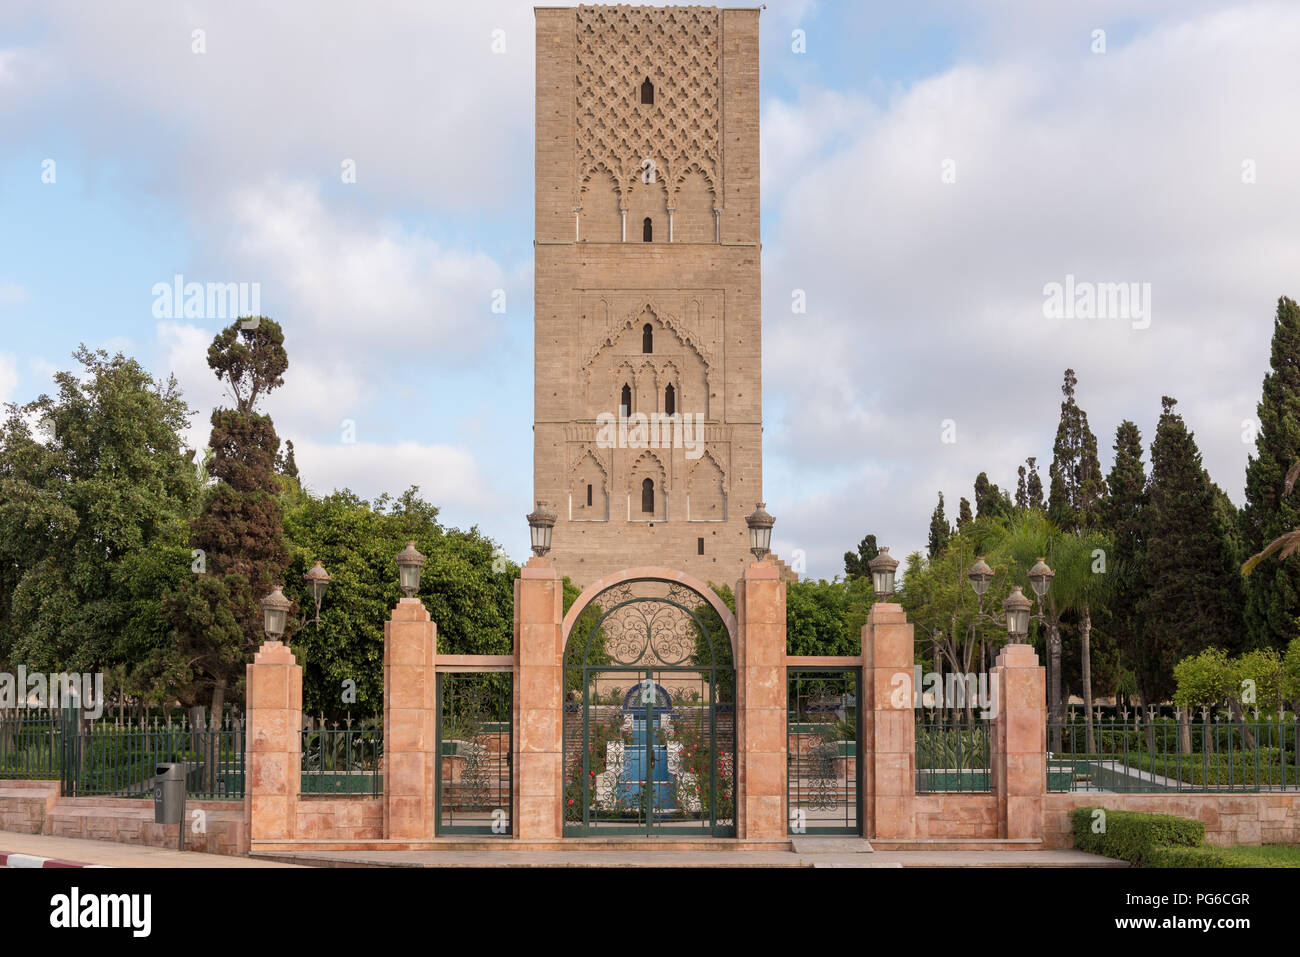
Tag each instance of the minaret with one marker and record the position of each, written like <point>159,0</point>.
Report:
<point>648,420</point>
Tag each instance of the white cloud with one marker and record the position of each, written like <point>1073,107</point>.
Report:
<point>925,298</point>
<point>12,294</point>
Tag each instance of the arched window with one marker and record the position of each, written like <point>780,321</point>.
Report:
<point>647,338</point>
<point>670,400</point>
<point>625,400</point>
<point>648,92</point>
<point>648,496</point>
<point>647,231</point>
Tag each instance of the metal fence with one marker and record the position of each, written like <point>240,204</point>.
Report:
<point>1164,755</point>
<point>115,758</point>
<point>343,760</point>
<point>952,756</point>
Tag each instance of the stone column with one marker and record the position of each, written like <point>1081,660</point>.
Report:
<point>410,702</point>
<point>761,704</point>
<point>1019,748</point>
<point>274,742</point>
<point>888,761</point>
<point>539,702</point>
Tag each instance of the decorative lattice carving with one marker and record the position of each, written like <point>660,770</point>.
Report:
<point>677,48</point>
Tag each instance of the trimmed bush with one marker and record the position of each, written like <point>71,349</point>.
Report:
<point>1192,857</point>
<point>1133,836</point>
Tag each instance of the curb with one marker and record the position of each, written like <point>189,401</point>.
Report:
<point>30,860</point>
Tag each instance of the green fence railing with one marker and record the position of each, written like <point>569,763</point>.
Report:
<point>114,758</point>
<point>952,756</point>
<point>1165,755</point>
<point>342,760</point>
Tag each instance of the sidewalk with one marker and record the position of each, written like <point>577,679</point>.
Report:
<point>112,854</point>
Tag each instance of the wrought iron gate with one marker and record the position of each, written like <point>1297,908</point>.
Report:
<point>823,729</point>
<point>474,781</point>
<point>649,714</point>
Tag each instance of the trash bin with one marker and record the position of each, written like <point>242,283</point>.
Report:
<point>169,794</point>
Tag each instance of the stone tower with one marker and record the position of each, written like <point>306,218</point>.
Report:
<point>648,417</point>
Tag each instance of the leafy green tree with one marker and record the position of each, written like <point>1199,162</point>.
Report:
<point>1272,591</point>
<point>93,506</point>
<point>217,616</point>
<point>467,585</point>
<point>856,564</point>
<point>940,531</point>
<point>1192,598</point>
<point>826,618</point>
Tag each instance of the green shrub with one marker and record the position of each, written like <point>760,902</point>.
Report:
<point>1133,836</point>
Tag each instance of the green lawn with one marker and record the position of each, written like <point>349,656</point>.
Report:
<point>1266,855</point>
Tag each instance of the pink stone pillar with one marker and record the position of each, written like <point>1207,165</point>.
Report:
<point>1019,748</point>
<point>410,702</point>
<point>888,724</point>
<point>274,742</point>
<point>761,704</point>
<point>539,702</point>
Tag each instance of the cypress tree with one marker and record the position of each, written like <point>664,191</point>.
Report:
<point>1192,596</point>
<point>217,615</point>
<point>964,516</point>
<point>1272,591</point>
<point>1077,488</point>
<point>1124,517</point>
<point>939,530</point>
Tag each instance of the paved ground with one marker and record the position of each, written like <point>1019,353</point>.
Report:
<point>112,854</point>
<point>677,859</point>
<point>840,854</point>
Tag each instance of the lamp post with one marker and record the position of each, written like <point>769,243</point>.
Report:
<point>760,532</point>
<point>882,568</point>
<point>409,564</point>
<point>317,579</point>
<point>540,523</point>
<point>275,607</point>
<point>1016,607</point>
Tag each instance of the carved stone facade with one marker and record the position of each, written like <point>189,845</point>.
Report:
<point>648,391</point>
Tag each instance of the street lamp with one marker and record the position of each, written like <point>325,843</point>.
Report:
<point>274,609</point>
<point>317,579</point>
<point>1016,607</point>
<point>882,568</point>
<point>540,523</point>
<point>409,563</point>
<point>760,532</point>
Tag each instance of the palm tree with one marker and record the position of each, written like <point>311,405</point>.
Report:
<point>1083,579</point>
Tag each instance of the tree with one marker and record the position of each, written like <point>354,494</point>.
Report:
<point>990,501</point>
<point>1192,598</point>
<point>93,506</point>
<point>1272,592</point>
<point>826,618</point>
<point>964,516</point>
<point>1077,489</point>
<point>856,565</point>
<point>285,464</point>
<point>239,532</point>
<point>1033,484</point>
<point>1124,516</point>
<point>939,530</point>
<point>467,588</point>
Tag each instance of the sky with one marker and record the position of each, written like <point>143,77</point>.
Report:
<point>929,170</point>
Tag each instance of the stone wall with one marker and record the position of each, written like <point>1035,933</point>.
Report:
<point>1264,818</point>
<point>340,818</point>
<point>34,807</point>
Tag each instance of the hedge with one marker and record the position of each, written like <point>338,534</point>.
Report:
<point>1135,837</point>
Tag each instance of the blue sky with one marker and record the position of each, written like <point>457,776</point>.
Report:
<point>924,296</point>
